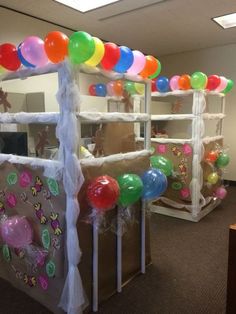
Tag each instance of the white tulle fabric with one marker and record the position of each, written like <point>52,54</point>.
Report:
<point>73,299</point>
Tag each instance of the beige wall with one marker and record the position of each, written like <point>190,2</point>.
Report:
<point>218,60</point>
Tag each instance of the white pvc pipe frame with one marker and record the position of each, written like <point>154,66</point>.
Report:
<point>52,118</point>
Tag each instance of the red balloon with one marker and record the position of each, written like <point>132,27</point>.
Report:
<point>213,82</point>
<point>154,88</point>
<point>9,57</point>
<point>92,90</point>
<point>111,56</point>
<point>103,193</point>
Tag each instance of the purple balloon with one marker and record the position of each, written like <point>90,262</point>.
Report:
<point>16,232</point>
<point>32,50</point>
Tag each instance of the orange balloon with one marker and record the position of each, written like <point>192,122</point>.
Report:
<point>184,82</point>
<point>211,156</point>
<point>150,67</point>
<point>118,88</point>
<point>56,46</point>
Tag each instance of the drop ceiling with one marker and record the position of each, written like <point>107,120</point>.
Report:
<point>154,27</point>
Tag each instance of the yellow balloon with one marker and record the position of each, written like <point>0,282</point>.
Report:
<point>98,53</point>
<point>213,178</point>
<point>140,88</point>
<point>2,70</point>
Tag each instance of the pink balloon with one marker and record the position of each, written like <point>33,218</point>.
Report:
<point>174,82</point>
<point>221,192</point>
<point>110,89</point>
<point>16,232</point>
<point>223,84</point>
<point>138,63</point>
<point>32,50</point>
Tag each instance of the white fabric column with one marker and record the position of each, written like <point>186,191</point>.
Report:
<point>72,298</point>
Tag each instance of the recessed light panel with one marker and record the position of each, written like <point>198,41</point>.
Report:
<point>226,21</point>
<point>86,5</point>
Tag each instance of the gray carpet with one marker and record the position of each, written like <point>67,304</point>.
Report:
<point>188,274</point>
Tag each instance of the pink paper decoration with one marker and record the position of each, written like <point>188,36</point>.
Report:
<point>161,149</point>
<point>25,179</point>
<point>187,150</point>
<point>11,200</point>
<point>185,192</point>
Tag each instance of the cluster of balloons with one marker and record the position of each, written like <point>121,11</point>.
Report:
<point>198,80</point>
<point>104,192</point>
<point>116,88</point>
<point>219,159</point>
<point>80,47</point>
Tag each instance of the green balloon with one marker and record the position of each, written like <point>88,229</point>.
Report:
<point>198,80</point>
<point>131,188</point>
<point>222,161</point>
<point>229,86</point>
<point>162,163</point>
<point>158,71</point>
<point>130,88</point>
<point>81,47</point>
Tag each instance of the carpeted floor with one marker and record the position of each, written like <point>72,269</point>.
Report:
<point>188,274</point>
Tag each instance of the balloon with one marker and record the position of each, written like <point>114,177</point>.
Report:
<point>162,84</point>
<point>212,156</point>
<point>158,71</point>
<point>2,70</point>
<point>111,56</point>
<point>198,80</point>
<point>130,88</point>
<point>81,47</point>
<point>92,90</point>
<point>213,82</point>
<point>174,85</point>
<point>213,178</point>
<point>118,88</point>
<point>222,160</point>
<point>154,184</point>
<point>16,232</point>
<point>101,90</point>
<point>221,192</point>
<point>229,86</point>
<point>162,163</point>
<point>222,85</point>
<point>110,88</point>
<point>138,63</point>
<point>154,87</point>
<point>131,188</point>
<point>9,57</point>
<point>22,59</point>
<point>103,193</point>
<point>140,88</point>
<point>125,61</point>
<point>150,67</point>
<point>184,82</point>
<point>56,46</point>
<point>32,49</point>
<point>98,53</point>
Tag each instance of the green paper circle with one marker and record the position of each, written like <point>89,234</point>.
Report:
<point>131,188</point>
<point>12,178</point>
<point>50,269</point>
<point>176,186</point>
<point>6,253</point>
<point>46,240</point>
<point>53,186</point>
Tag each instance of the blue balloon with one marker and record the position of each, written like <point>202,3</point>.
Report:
<point>125,61</point>
<point>101,90</point>
<point>154,184</point>
<point>22,59</point>
<point>162,84</point>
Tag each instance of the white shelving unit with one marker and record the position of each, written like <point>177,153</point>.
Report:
<point>200,206</point>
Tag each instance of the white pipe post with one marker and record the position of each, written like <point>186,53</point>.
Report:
<point>95,263</point>
<point>119,249</point>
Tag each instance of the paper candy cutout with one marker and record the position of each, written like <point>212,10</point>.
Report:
<point>39,212</point>
<point>55,224</point>
<point>2,208</point>
<point>37,186</point>
<point>30,280</point>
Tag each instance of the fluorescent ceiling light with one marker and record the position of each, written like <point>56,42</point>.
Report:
<point>86,5</point>
<point>226,21</point>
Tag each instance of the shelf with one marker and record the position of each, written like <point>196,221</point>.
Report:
<point>166,117</point>
<point>29,118</point>
<point>100,117</point>
<point>167,140</point>
<point>186,93</point>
